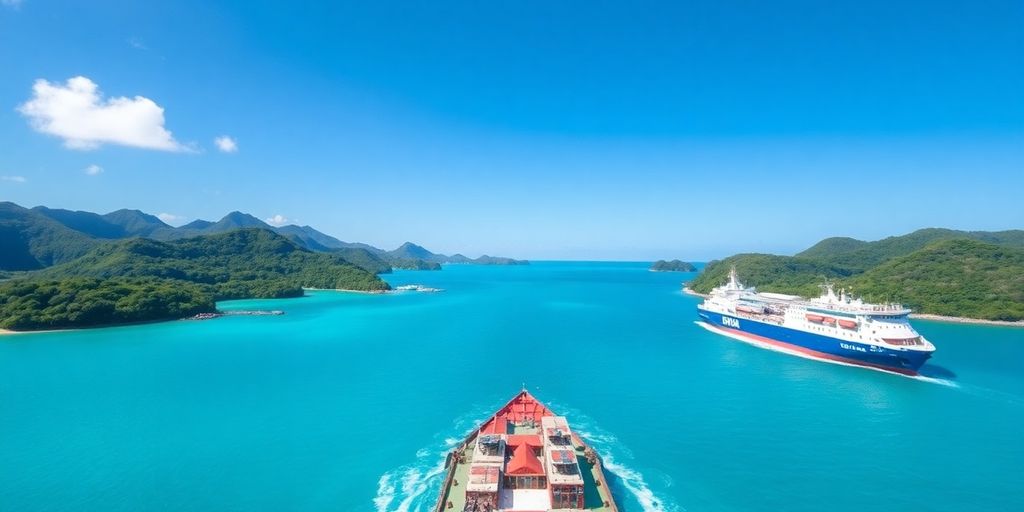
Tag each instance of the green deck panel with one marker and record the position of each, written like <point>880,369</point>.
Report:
<point>594,495</point>
<point>457,493</point>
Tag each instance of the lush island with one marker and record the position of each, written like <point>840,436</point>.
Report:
<point>141,279</point>
<point>83,302</point>
<point>672,266</point>
<point>41,237</point>
<point>936,271</point>
<point>412,252</point>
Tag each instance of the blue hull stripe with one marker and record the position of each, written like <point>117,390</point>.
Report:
<point>895,359</point>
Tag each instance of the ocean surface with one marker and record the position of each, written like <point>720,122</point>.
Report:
<point>348,403</point>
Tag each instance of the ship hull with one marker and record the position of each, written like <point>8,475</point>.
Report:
<point>906,362</point>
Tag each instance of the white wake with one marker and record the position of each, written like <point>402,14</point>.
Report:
<point>414,487</point>
<point>612,452</point>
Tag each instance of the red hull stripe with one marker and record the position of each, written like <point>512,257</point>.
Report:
<point>809,352</point>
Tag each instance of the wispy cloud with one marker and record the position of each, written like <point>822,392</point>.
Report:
<point>171,218</point>
<point>277,220</point>
<point>136,43</point>
<point>11,3</point>
<point>226,144</point>
<point>77,112</point>
<point>93,170</point>
<point>13,179</point>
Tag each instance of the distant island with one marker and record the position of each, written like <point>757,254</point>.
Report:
<point>672,266</point>
<point>140,280</point>
<point>39,237</point>
<point>66,269</point>
<point>963,274</point>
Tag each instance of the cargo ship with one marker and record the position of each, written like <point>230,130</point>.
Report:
<point>524,458</point>
<point>832,327</point>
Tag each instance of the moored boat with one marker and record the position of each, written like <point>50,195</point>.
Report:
<point>524,457</point>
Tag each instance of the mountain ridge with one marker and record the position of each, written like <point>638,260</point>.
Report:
<point>41,236</point>
<point>935,271</point>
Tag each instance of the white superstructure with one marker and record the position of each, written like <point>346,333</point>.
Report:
<point>833,315</point>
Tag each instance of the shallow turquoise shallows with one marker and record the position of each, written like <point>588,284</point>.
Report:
<point>349,401</point>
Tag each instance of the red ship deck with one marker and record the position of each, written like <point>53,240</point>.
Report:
<point>524,458</point>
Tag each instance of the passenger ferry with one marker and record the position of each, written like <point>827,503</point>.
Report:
<point>524,458</point>
<point>831,327</point>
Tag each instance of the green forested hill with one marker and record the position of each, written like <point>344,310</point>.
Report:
<point>243,263</point>
<point>857,255</point>
<point>961,277</point>
<point>672,266</point>
<point>957,273</point>
<point>40,237</point>
<point>770,273</point>
<point>141,279</point>
<point>30,240</point>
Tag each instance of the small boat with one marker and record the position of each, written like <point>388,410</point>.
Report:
<point>828,320</point>
<point>847,324</point>
<point>524,457</point>
<point>815,318</point>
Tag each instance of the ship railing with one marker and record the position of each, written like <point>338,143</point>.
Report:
<point>894,308</point>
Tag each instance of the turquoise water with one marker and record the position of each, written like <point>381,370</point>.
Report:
<point>349,401</point>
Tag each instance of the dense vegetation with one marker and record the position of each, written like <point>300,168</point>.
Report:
<point>40,237</point>
<point>148,280</point>
<point>672,266</point>
<point>83,302</point>
<point>858,256</point>
<point>244,263</point>
<point>771,273</point>
<point>945,272</point>
<point>30,240</point>
<point>495,260</point>
<point>951,277</point>
<point>412,252</point>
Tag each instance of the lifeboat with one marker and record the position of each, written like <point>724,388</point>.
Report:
<point>828,320</point>
<point>847,324</point>
<point>815,318</point>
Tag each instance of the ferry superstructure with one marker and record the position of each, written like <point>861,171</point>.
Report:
<point>833,326</point>
<point>524,458</point>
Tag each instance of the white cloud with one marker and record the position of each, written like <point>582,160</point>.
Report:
<point>17,179</point>
<point>78,113</point>
<point>136,43</point>
<point>93,170</point>
<point>277,220</point>
<point>170,218</point>
<point>226,144</point>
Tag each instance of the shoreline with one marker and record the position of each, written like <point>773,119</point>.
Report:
<point>218,313</point>
<point>924,316</point>
<point>366,292</point>
<point>689,291</point>
<point>965,320</point>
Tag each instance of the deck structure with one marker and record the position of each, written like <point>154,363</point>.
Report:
<point>524,458</point>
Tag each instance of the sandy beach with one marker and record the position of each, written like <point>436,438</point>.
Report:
<point>5,332</point>
<point>368,292</point>
<point>688,291</point>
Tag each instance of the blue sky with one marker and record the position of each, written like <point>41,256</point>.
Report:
<point>562,130</point>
